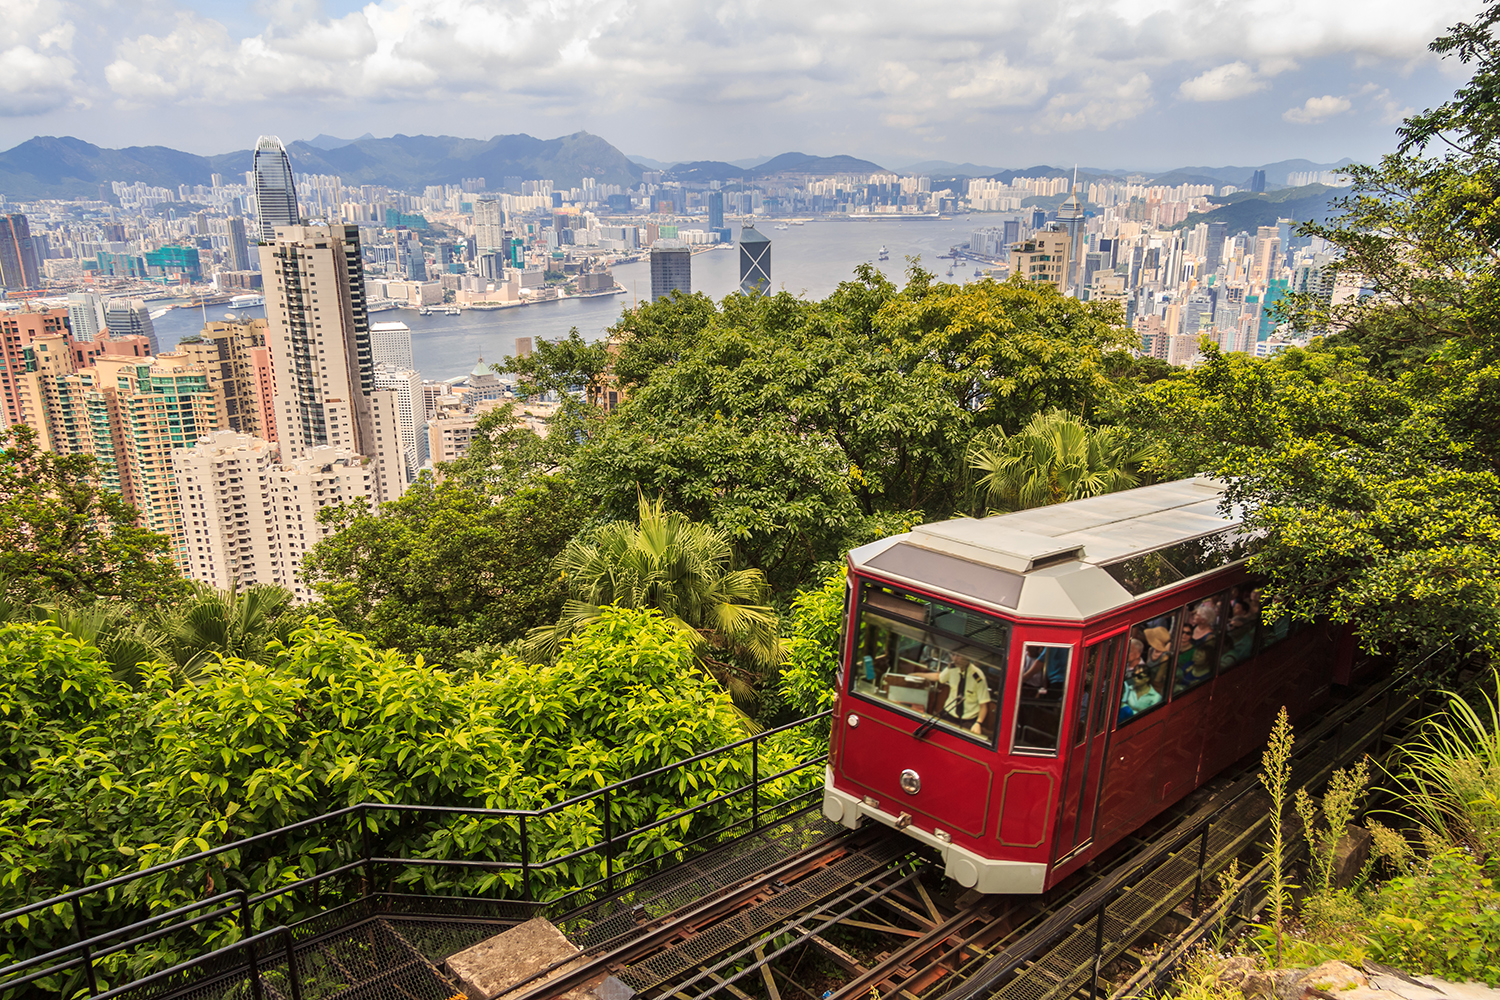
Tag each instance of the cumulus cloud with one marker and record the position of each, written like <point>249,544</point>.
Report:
<point>37,70</point>
<point>1317,109</point>
<point>1223,83</point>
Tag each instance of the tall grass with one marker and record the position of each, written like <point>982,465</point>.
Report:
<point>1449,775</point>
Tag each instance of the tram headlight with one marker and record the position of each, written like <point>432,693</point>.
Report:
<point>911,782</point>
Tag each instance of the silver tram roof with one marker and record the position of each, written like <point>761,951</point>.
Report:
<point>1072,560</point>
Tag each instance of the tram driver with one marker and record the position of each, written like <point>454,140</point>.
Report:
<point>968,704</point>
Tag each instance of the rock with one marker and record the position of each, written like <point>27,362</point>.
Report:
<point>1244,973</point>
<point>1394,981</point>
<point>1351,854</point>
<point>1331,979</point>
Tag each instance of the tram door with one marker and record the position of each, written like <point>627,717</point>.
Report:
<point>1087,752</point>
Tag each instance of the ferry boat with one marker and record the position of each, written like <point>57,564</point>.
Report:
<point>884,253</point>
<point>247,301</point>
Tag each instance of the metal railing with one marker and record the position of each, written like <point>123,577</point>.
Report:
<point>744,818</point>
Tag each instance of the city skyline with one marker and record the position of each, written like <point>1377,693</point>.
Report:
<point>1005,84</point>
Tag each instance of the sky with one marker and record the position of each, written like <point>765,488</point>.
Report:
<point>1140,84</point>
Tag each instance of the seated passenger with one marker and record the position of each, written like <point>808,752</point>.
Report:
<point>1140,696</point>
<point>968,705</point>
<point>1158,656</point>
<point>1200,633</point>
<point>1043,669</point>
<point>1240,640</point>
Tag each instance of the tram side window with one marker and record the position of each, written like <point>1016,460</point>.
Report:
<point>1271,632</point>
<point>1044,686</point>
<point>1198,643</point>
<point>1242,615</point>
<point>1148,655</point>
<point>931,660</point>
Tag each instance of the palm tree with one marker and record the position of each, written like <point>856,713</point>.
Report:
<point>678,566</point>
<point>1055,457</point>
<point>231,622</point>
<point>121,636</point>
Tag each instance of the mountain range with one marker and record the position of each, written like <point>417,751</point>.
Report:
<point>65,167</point>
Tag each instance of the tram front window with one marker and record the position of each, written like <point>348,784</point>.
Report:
<point>943,664</point>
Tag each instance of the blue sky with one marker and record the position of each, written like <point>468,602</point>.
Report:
<point>1130,83</point>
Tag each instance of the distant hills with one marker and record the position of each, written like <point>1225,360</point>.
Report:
<point>1245,211</point>
<point>52,167</point>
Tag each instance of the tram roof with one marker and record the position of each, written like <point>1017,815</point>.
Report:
<point>1070,560</point>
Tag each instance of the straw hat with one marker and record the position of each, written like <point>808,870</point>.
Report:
<point>1159,638</point>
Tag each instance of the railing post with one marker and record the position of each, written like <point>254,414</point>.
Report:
<point>755,783</point>
<point>365,853</point>
<point>1099,945</point>
<point>525,861</point>
<point>609,847</point>
<point>255,988</point>
<point>294,979</point>
<point>88,955</point>
<point>1202,860</point>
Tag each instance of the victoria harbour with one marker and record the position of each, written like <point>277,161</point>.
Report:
<point>808,260</point>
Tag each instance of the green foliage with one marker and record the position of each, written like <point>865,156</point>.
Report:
<point>1275,775</point>
<point>679,567</point>
<point>1443,919</point>
<point>62,535</point>
<point>449,567</point>
<point>1325,824</point>
<point>813,646</point>
<point>1055,457</point>
<point>562,367</point>
<point>1448,777</point>
<point>98,779</point>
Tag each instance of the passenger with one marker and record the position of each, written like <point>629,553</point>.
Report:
<point>1241,635</point>
<point>1140,696</point>
<point>1195,661</point>
<point>1044,668</point>
<point>968,705</point>
<point>1159,655</point>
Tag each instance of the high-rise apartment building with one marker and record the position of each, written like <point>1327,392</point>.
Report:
<point>390,344</point>
<point>489,224</point>
<point>19,267</point>
<point>1267,255</point>
<point>240,258</point>
<point>1043,258</point>
<point>235,346</point>
<point>755,261</point>
<point>250,518</point>
<point>1213,252</point>
<point>411,413</point>
<point>275,191</point>
<point>17,333</point>
<point>322,361</point>
<point>671,269</point>
<point>130,318</point>
<point>85,315</point>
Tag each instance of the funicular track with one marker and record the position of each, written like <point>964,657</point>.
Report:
<point>921,936</point>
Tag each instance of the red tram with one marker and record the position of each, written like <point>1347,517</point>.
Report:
<point>1021,691</point>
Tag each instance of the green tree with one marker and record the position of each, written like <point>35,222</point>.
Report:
<point>62,535</point>
<point>562,367</point>
<point>452,566</point>
<point>211,623</point>
<point>680,567</point>
<point>1054,458</point>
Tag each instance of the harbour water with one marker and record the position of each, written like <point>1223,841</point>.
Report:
<point>808,260</point>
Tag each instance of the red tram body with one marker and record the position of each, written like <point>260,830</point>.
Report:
<point>1022,691</point>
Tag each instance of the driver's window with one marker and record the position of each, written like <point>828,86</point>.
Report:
<point>943,664</point>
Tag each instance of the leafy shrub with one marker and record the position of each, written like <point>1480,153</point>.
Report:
<point>1442,919</point>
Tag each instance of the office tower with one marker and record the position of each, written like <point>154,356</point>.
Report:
<point>671,269</point>
<point>321,356</point>
<point>85,315</point>
<point>19,267</point>
<point>235,346</point>
<point>1267,254</point>
<point>239,248</point>
<point>755,261</point>
<point>249,518</point>
<point>1070,216</point>
<point>489,224</point>
<point>1213,254</point>
<point>275,192</point>
<point>1038,218</point>
<point>411,413</point>
<point>716,210</point>
<point>390,344</point>
<point>1012,233</point>
<point>130,318</point>
<point>1258,182</point>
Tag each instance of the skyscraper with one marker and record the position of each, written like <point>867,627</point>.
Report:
<point>1258,182</point>
<point>489,224</point>
<point>1213,253</point>
<point>239,248</point>
<point>85,315</point>
<point>1070,215</point>
<point>236,345</point>
<point>671,269</point>
<point>411,413</point>
<point>755,261</point>
<point>130,318</point>
<point>390,344</point>
<point>275,192</point>
<point>716,210</point>
<point>321,356</point>
<point>18,261</point>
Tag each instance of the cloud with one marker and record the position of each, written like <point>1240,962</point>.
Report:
<point>1222,83</point>
<point>37,70</point>
<point>1317,109</point>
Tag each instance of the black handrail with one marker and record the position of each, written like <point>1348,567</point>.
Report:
<point>367,858</point>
